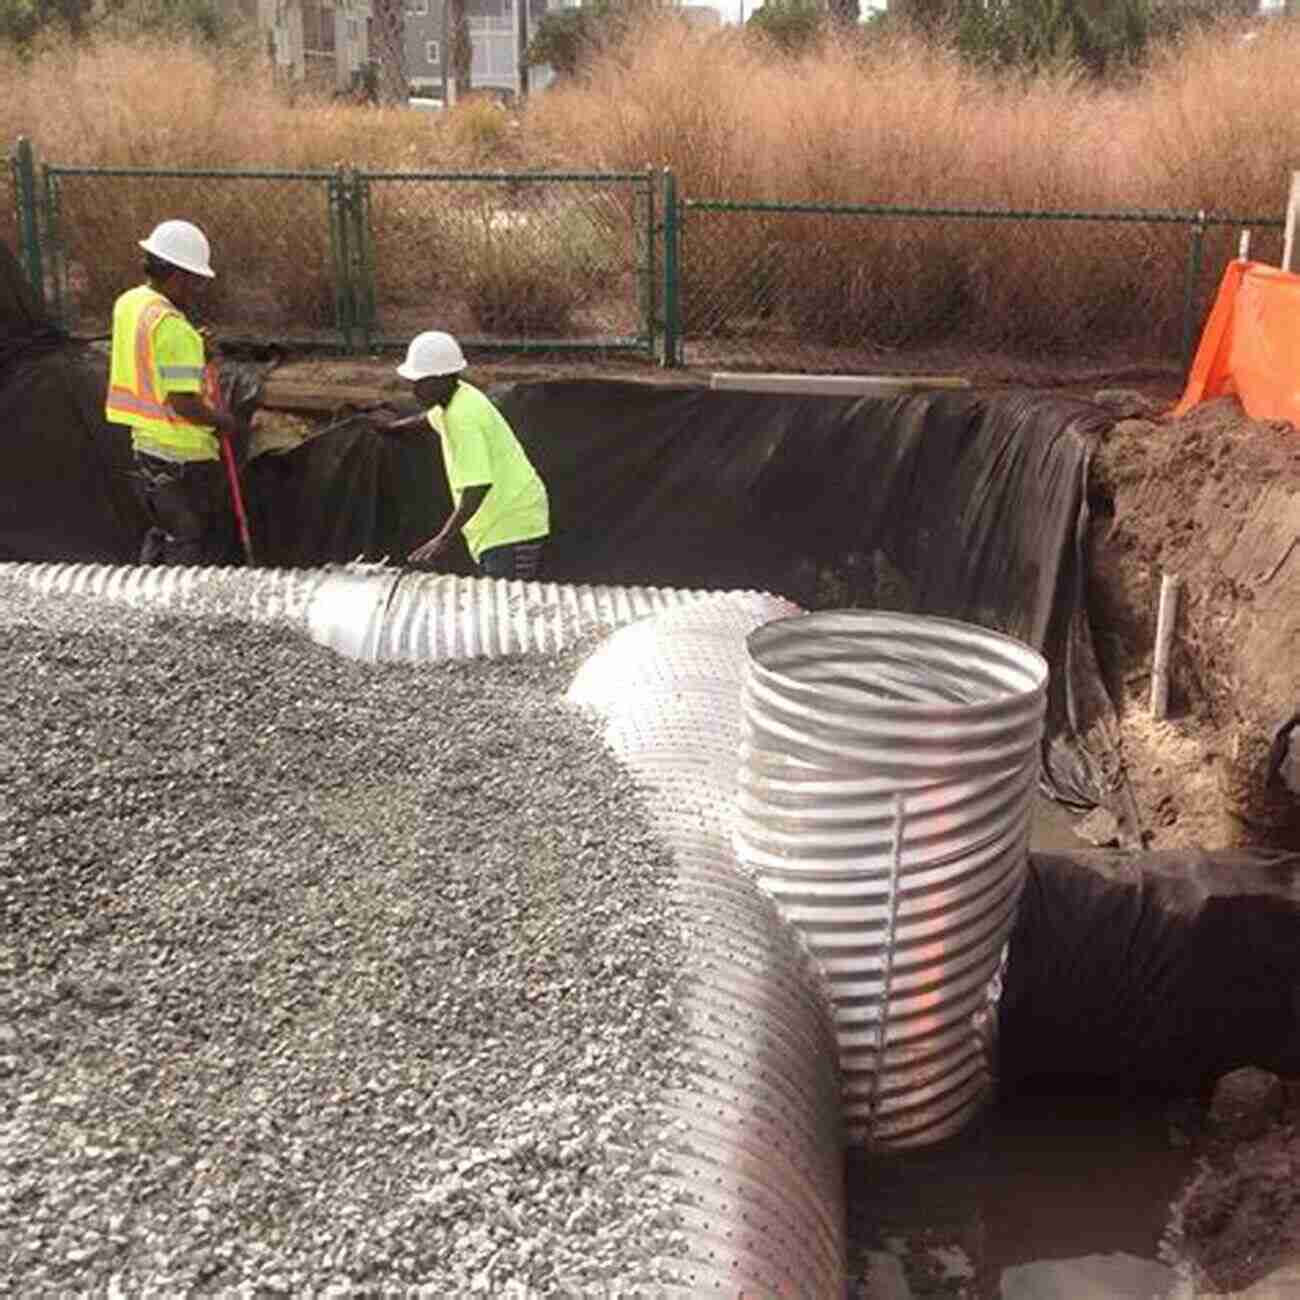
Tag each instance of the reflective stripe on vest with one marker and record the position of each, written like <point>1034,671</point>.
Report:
<point>153,423</point>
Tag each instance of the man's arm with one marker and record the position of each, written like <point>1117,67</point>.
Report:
<point>192,408</point>
<point>470,500</point>
<point>179,349</point>
<point>401,425</point>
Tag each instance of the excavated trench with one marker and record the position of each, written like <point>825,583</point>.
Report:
<point>1124,973</point>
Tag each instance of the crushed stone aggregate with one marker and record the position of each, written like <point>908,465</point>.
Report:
<point>318,977</point>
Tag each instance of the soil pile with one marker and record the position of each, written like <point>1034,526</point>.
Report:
<point>1238,1220</point>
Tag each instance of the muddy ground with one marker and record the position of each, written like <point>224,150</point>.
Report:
<point>1214,498</point>
<point>1237,1221</point>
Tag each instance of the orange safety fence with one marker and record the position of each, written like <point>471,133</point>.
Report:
<point>1250,346</point>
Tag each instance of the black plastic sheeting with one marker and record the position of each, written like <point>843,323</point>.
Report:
<point>1158,972</point>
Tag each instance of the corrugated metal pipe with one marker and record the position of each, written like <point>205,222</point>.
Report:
<point>758,1159</point>
<point>372,612</point>
<point>887,773</point>
<point>754,1134</point>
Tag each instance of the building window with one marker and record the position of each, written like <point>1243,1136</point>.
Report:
<point>417,6</point>
<point>433,53</point>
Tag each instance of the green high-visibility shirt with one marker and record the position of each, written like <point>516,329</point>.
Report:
<point>479,449</point>
<point>156,352</point>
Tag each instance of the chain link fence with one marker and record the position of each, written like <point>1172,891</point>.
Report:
<point>530,261</point>
<point>568,262</point>
<point>797,287</point>
<point>274,237</point>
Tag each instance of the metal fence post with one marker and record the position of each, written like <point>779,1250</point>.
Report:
<point>29,228</point>
<point>363,264</point>
<point>649,285</point>
<point>672,251</point>
<point>1195,259</point>
<point>344,311</point>
<point>56,307</point>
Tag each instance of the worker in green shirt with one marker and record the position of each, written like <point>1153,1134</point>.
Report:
<point>498,501</point>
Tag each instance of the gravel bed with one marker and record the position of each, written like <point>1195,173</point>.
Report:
<point>317,977</point>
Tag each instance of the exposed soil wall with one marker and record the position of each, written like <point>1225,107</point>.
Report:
<point>1214,498</point>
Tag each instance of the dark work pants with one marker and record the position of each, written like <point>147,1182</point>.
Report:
<point>521,560</point>
<point>187,508</point>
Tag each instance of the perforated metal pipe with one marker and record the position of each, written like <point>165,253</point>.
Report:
<point>887,771</point>
<point>758,1147</point>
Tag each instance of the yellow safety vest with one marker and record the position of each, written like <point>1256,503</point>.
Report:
<point>138,387</point>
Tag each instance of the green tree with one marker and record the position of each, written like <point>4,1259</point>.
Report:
<point>460,60</point>
<point>567,38</point>
<point>792,25</point>
<point>1033,34</point>
<point>1100,37</point>
<point>22,20</point>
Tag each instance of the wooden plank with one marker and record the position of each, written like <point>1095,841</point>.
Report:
<point>832,385</point>
<point>308,397</point>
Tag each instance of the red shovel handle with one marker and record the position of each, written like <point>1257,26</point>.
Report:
<point>212,391</point>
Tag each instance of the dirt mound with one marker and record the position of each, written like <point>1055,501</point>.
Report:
<point>1214,498</point>
<point>1238,1219</point>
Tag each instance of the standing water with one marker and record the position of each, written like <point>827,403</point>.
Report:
<point>1048,1196</point>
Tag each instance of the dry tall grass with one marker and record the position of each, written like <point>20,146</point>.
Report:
<point>1214,123</point>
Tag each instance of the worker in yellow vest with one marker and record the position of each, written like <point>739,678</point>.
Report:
<point>157,388</point>
<point>499,502</point>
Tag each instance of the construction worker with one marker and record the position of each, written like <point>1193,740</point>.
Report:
<point>157,388</point>
<point>498,501</point>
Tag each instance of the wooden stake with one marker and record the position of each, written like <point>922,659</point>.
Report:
<point>1169,585</point>
<point>1243,246</point>
<point>1292,206</point>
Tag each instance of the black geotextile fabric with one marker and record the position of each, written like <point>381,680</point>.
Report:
<point>65,487</point>
<point>59,483</point>
<point>1162,971</point>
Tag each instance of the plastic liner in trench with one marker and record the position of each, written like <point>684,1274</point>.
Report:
<point>1155,971</point>
<point>755,1130</point>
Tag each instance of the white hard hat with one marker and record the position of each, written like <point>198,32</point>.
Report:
<point>182,244</point>
<point>432,353</point>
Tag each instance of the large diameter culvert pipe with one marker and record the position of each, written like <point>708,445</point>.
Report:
<point>755,1158</point>
<point>887,774</point>
<point>370,611</point>
<point>280,596</point>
